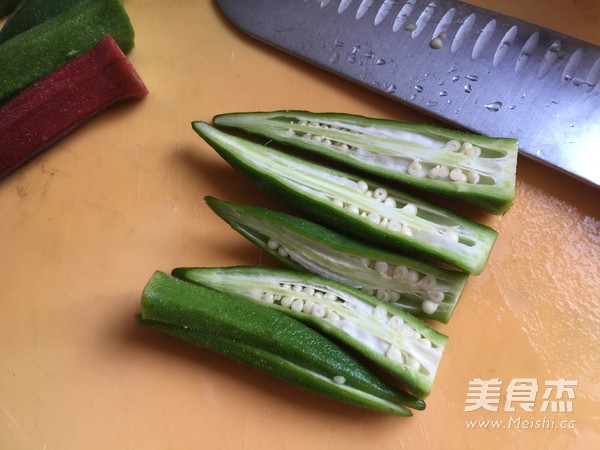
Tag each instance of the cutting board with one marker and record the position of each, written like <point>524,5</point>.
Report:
<point>86,223</point>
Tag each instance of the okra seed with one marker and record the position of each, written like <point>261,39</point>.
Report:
<point>390,202</point>
<point>353,209</point>
<point>289,133</point>
<point>473,152</point>
<point>272,244</point>
<point>434,172</point>
<point>436,296</point>
<point>415,168</point>
<point>411,276</point>
<point>384,222</point>
<point>286,286</point>
<point>380,194</point>
<point>456,174</point>
<point>362,186</point>
<point>406,330</point>
<point>374,217</point>
<point>381,267</point>
<point>297,288</point>
<point>453,145</point>
<point>369,193</point>
<point>344,147</point>
<point>394,296</point>
<point>313,124</point>
<point>410,208</point>
<point>319,295</point>
<point>396,323</point>
<point>429,307</point>
<point>332,316</point>
<point>400,272</point>
<point>451,234</point>
<point>302,123</point>
<point>394,354</point>
<point>268,298</point>
<point>444,172</point>
<point>317,138</point>
<point>307,136</point>
<point>428,282</point>
<point>308,306</point>
<point>287,301</point>
<point>330,297</point>
<point>473,177</point>
<point>380,313</point>
<point>363,214</point>
<point>425,342</point>
<point>338,202</point>
<point>394,225</point>
<point>465,147</point>
<point>412,363</point>
<point>382,294</point>
<point>282,251</point>
<point>338,379</point>
<point>318,310</point>
<point>406,230</point>
<point>297,305</point>
<point>327,141</point>
<point>309,290</point>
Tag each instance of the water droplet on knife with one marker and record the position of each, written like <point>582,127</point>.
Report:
<point>390,88</point>
<point>380,62</point>
<point>419,88</point>
<point>443,93</point>
<point>472,77</point>
<point>334,58</point>
<point>431,103</point>
<point>455,78</point>
<point>468,88</point>
<point>494,106</point>
<point>339,43</point>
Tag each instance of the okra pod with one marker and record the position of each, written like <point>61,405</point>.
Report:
<point>388,336</point>
<point>27,14</point>
<point>465,166</point>
<point>34,53</point>
<point>366,209</point>
<point>267,340</point>
<point>422,289</point>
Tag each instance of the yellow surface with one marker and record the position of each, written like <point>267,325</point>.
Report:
<point>85,224</point>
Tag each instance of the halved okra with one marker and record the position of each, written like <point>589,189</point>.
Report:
<point>352,204</point>
<point>465,166</point>
<point>388,336</point>
<point>267,340</point>
<point>422,289</point>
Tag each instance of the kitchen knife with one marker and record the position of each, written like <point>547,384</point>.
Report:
<point>468,66</point>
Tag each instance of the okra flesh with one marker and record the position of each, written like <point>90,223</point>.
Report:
<point>465,166</point>
<point>207,312</point>
<point>352,204</point>
<point>421,289</point>
<point>388,336</point>
<point>276,365</point>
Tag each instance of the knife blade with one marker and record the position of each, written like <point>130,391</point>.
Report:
<point>468,66</point>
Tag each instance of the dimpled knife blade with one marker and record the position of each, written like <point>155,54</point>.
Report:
<point>468,66</point>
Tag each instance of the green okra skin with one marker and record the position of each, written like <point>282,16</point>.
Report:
<point>464,166</point>
<point>387,336</point>
<point>34,53</point>
<point>352,204</point>
<point>27,14</point>
<point>268,340</point>
<point>423,290</point>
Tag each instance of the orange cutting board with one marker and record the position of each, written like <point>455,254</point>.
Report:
<point>85,224</point>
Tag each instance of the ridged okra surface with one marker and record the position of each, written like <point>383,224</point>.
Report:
<point>267,340</point>
<point>421,289</point>
<point>354,205</point>
<point>389,337</point>
<point>465,166</point>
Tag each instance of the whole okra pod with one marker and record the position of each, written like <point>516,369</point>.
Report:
<point>465,166</point>
<point>267,340</point>
<point>422,289</point>
<point>352,204</point>
<point>389,337</point>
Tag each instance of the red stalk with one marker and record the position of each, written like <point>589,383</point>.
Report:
<point>55,105</point>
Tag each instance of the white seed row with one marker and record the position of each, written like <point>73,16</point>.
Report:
<point>317,309</point>
<point>424,287</point>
